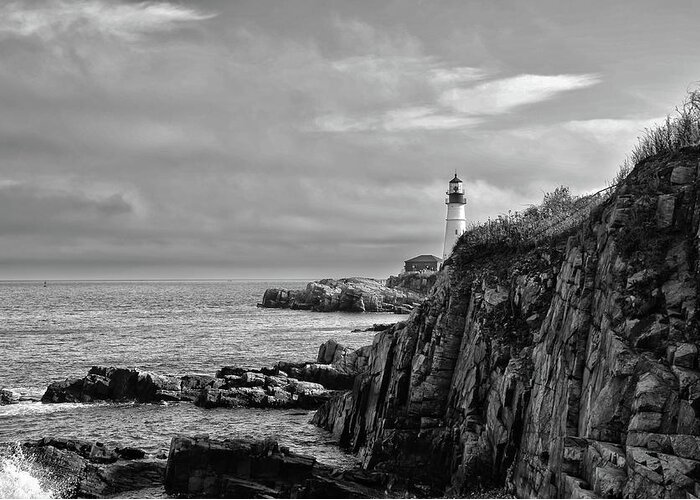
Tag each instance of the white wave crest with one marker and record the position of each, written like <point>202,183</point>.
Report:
<point>20,477</point>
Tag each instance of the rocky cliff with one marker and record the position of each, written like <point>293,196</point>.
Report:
<point>564,370</point>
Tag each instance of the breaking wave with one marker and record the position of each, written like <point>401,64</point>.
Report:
<point>20,477</point>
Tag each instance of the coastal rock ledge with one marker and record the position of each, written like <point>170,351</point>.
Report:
<point>286,385</point>
<point>200,467</point>
<point>346,294</point>
<point>73,468</point>
<point>564,369</point>
<point>196,467</point>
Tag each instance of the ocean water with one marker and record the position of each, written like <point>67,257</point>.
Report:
<point>61,330</point>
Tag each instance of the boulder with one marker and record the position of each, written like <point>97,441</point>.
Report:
<point>114,384</point>
<point>8,396</point>
<point>329,352</point>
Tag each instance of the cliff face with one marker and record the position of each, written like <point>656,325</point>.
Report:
<point>570,370</point>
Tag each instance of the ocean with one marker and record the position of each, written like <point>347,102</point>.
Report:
<point>49,333</point>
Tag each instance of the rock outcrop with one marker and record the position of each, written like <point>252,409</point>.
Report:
<point>81,469</point>
<point>124,384</point>
<point>566,370</point>
<point>347,294</point>
<point>196,467</point>
<point>287,385</point>
<point>254,389</point>
<point>232,387</point>
<point>200,467</point>
<point>335,368</point>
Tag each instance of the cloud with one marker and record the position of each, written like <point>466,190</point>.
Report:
<point>459,74</point>
<point>124,21</point>
<point>200,156</point>
<point>425,118</point>
<point>34,208</point>
<point>504,95</point>
<point>397,120</point>
<point>445,103</point>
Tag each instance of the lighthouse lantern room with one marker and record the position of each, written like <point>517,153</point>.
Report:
<point>456,221</point>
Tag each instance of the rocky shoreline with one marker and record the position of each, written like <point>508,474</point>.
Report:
<point>72,468</point>
<point>570,369</point>
<point>347,294</point>
<point>195,467</point>
<point>286,385</point>
<point>200,466</point>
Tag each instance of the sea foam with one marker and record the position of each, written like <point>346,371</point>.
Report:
<point>20,477</point>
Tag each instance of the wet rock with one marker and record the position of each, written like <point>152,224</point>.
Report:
<point>85,469</point>
<point>243,468</point>
<point>129,453</point>
<point>201,467</point>
<point>114,384</point>
<point>8,396</point>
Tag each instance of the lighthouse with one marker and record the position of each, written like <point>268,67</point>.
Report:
<point>456,222</point>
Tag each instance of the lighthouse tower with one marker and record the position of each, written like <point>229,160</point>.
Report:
<point>456,223</point>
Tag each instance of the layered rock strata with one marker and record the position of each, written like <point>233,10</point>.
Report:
<point>200,467</point>
<point>567,370</point>
<point>347,294</point>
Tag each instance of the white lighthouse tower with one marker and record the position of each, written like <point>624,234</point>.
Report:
<point>456,221</point>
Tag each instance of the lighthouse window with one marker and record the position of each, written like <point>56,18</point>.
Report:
<point>455,231</point>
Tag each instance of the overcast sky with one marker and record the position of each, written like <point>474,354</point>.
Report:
<point>300,138</point>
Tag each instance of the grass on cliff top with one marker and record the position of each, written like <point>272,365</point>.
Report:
<point>560,212</point>
<point>549,221</point>
<point>679,130</point>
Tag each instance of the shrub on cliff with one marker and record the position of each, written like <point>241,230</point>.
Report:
<point>550,221</point>
<point>677,131</point>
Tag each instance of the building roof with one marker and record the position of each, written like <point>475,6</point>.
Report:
<point>456,179</point>
<point>424,258</point>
